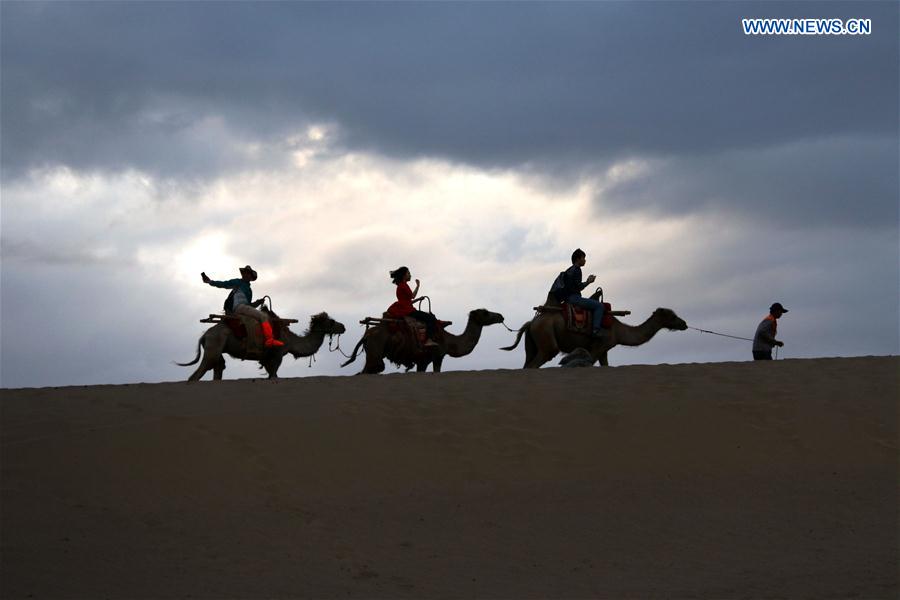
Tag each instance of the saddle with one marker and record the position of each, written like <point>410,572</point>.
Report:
<point>410,328</point>
<point>577,319</point>
<point>413,328</point>
<point>239,325</point>
<point>248,331</point>
<point>581,320</point>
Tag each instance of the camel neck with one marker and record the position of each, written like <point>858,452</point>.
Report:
<point>304,345</point>
<point>636,335</point>
<point>461,345</point>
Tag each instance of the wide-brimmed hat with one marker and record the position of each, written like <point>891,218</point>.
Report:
<point>248,269</point>
<point>777,306</point>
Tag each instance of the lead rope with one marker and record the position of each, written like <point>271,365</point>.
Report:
<point>721,334</point>
<point>730,336</point>
<point>337,346</point>
<point>429,310</point>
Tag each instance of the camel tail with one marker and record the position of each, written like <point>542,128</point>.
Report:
<point>522,331</point>
<point>355,352</point>
<point>196,358</point>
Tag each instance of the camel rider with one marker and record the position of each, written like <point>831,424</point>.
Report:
<point>240,301</point>
<point>764,340</point>
<point>403,307</point>
<point>573,286</point>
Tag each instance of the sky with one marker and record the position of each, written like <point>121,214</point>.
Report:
<point>700,169</point>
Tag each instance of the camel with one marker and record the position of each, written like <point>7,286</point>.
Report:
<point>379,342</point>
<point>219,340</point>
<point>547,335</point>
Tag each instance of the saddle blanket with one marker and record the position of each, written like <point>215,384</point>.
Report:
<point>413,328</point>
<point>249,332</point>
<point>581,320</point>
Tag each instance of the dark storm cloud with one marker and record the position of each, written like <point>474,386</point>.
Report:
<point>850,181</point>
<point>171,87</point>
<point>28,251</point>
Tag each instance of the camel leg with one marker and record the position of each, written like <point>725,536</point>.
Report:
<point>421,366</point>
<point>544,346</point>
<point>376,368</point>
<point>200,372</point>
<point>539,360</point>
<point>206,363</point>
<point>218,369</point>
<point>213,348</point>
<point>273,365</point>
<point>438,361</point>
<point>374,364</point>
<point>530,349</point>
<point>604,361</point>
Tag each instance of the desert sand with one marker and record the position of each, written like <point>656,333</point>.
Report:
<point>730,480</point>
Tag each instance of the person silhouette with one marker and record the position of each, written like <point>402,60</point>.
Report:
<point>239,301</point>
<point>573,285</point>
<point>403,307</point>
<point>764,340</point>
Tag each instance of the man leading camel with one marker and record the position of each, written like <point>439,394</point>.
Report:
<point>239,301</point>
<point>572,287</point>
<point>764,340</point>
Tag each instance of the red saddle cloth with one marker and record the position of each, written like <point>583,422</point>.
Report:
<point>236,326</point>
<point>581,319</point>
<point>239,328</point>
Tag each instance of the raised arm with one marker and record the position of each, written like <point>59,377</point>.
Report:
<point>228,285</point>
<point>576,279</point>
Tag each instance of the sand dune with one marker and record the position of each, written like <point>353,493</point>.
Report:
<point>733,480</point>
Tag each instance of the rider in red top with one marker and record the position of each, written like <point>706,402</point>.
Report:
<point>404,304</point>
<point>403,307</point>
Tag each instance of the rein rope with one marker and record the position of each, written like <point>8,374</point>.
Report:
<point>333,346</point>
<point>337,345</point>
<point>721,334</point>
<point>429,310</point>
<point>734,337</point>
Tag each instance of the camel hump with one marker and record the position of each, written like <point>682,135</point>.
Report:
<point>551,304</point>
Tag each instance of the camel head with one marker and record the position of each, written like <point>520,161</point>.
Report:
<point>484,317</point>
<point>324,325</point>
<point>667,318</point>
